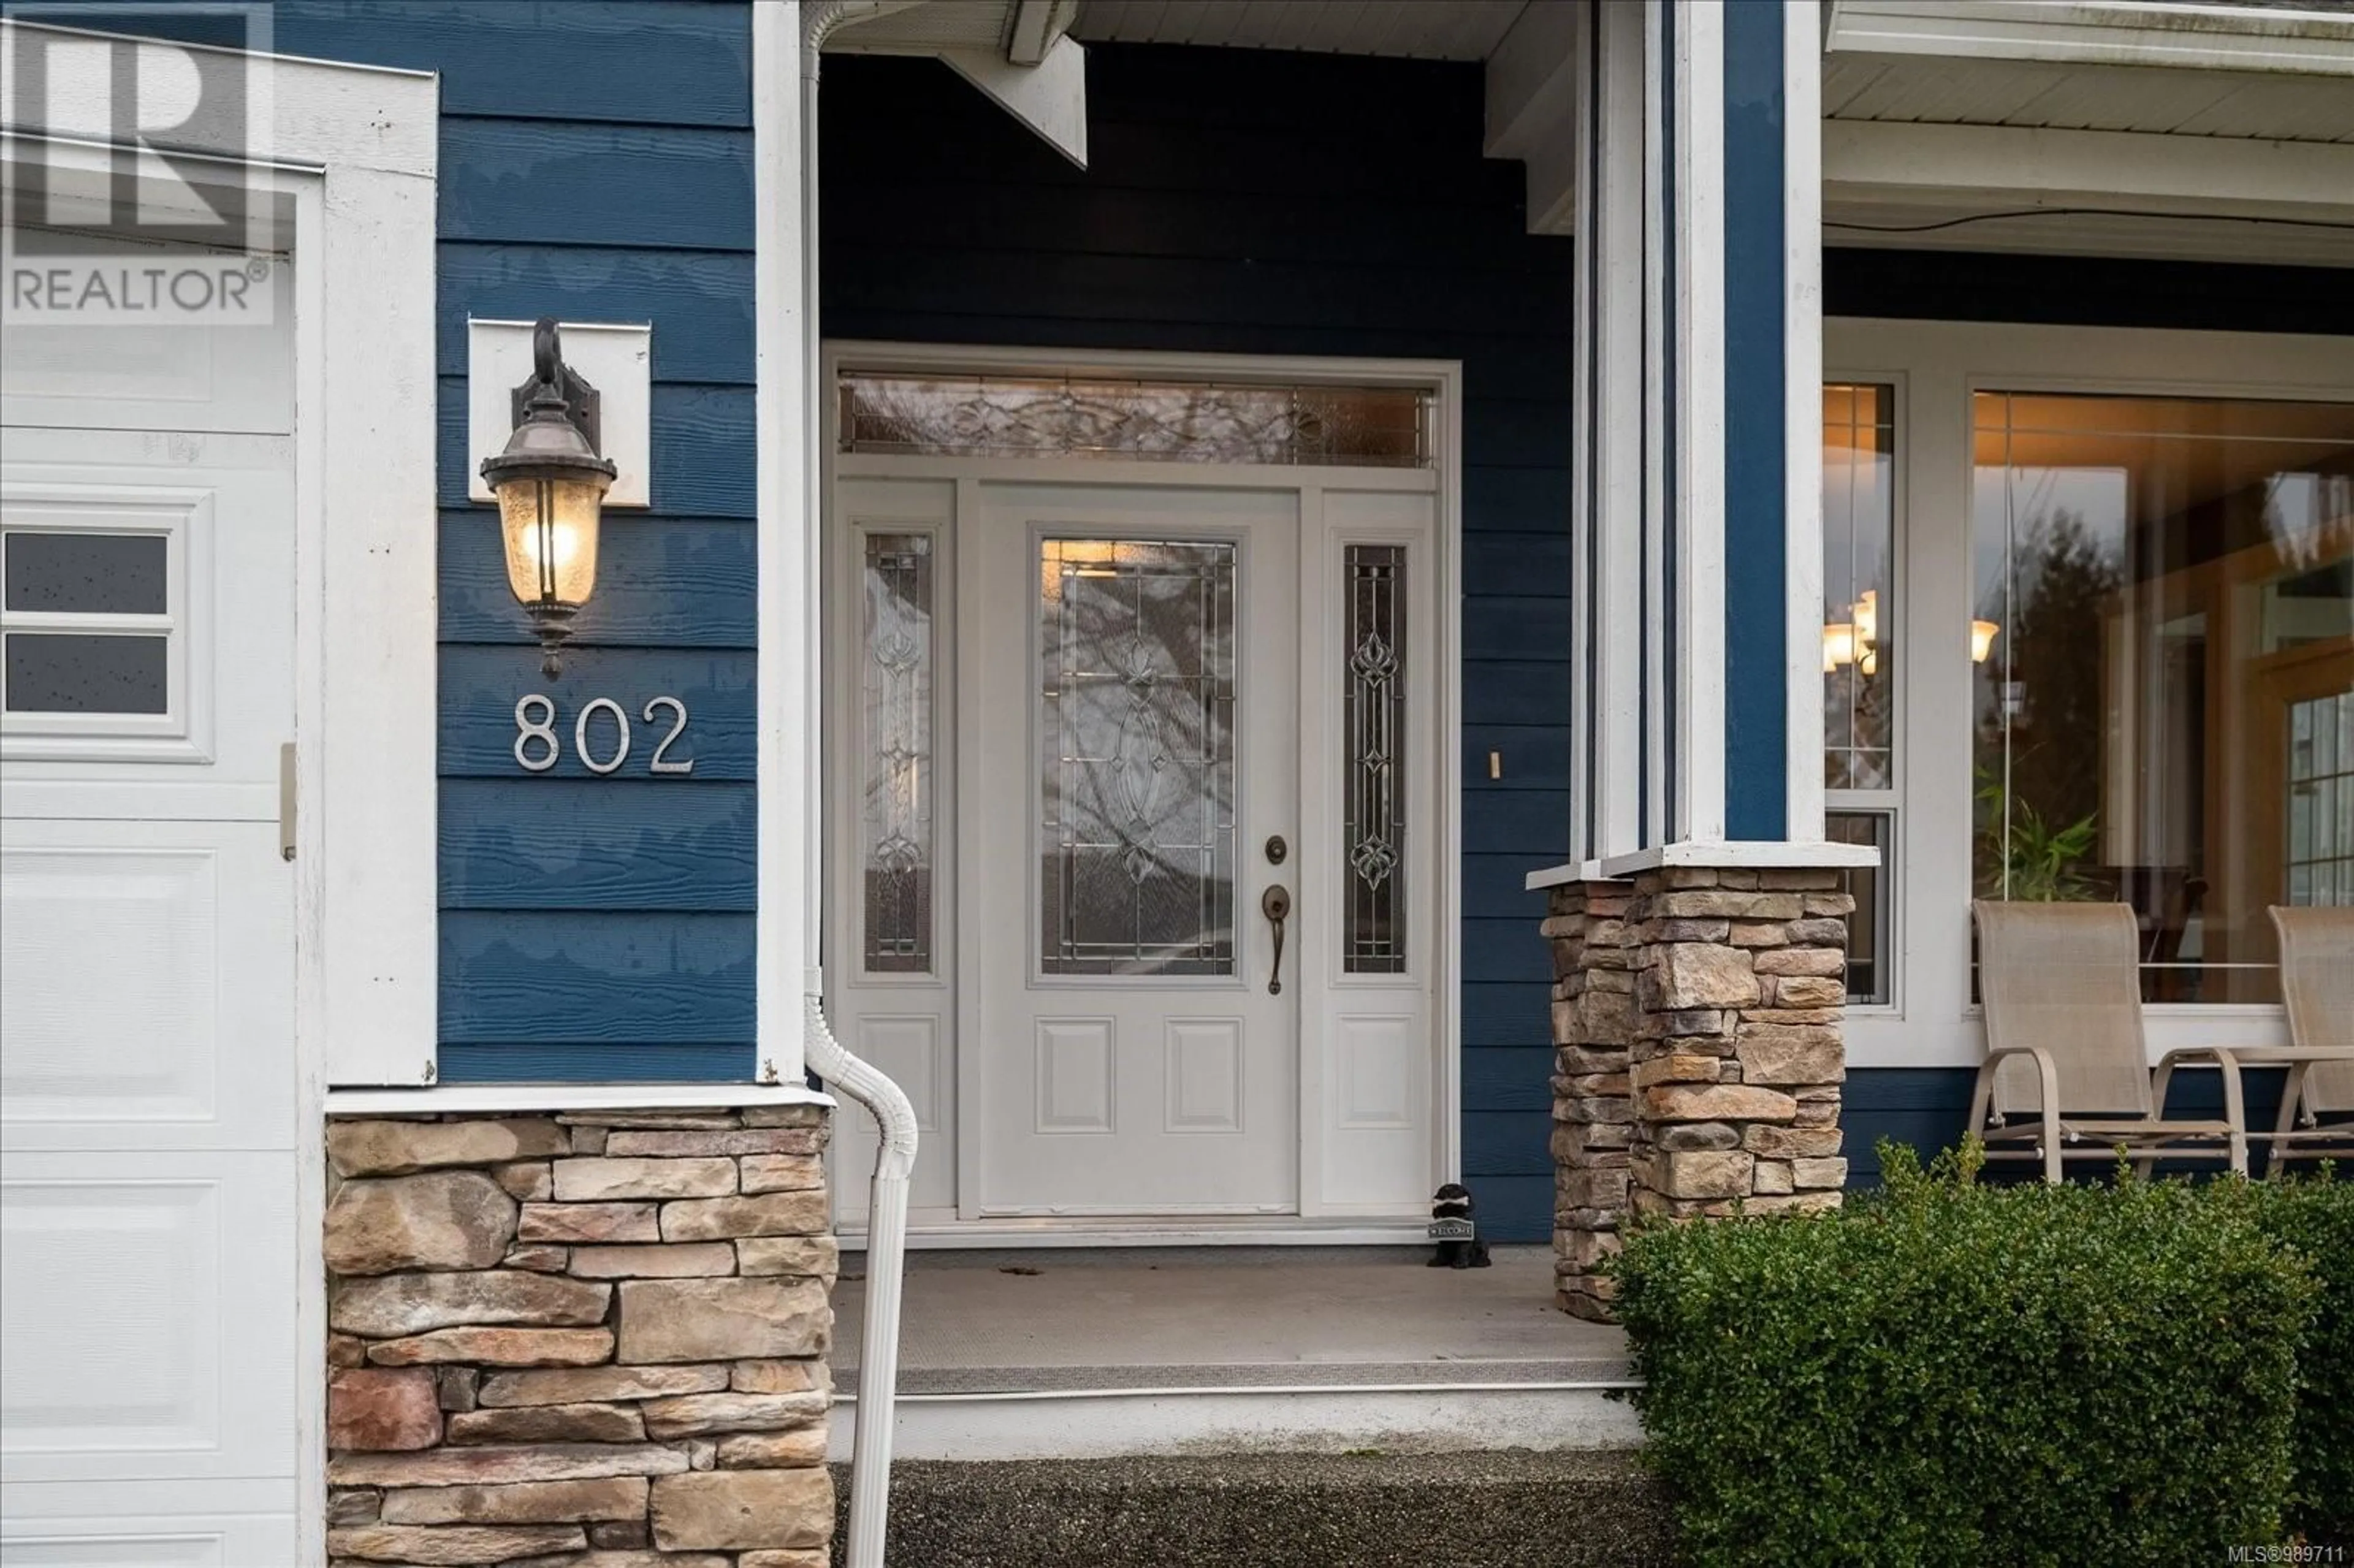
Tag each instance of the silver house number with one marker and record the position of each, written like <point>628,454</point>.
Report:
<point>539,747</point>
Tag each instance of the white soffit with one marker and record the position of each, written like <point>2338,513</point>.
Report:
<point>2087,193</point>
<point>1411,29</point>
<point>2258,106</point>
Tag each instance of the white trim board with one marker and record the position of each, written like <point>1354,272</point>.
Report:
<point>1443,483</point>
<point>1732,855</point>
<point>1935,365</point>
<point>543,1099</point>
<point>353,149</point>
<point>2172,33</point>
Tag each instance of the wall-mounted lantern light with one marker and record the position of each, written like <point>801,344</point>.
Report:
<point>550,484</point>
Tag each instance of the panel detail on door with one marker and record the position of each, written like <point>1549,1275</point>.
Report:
<point>108,1039</point>
<point>1074,1075</point>
<point>1204,1092</point>
<point>908,1049</point>
<point>1378,1057</point>
<point>131,1359</point>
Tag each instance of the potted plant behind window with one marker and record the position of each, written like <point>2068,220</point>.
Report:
<point>2027,860</point>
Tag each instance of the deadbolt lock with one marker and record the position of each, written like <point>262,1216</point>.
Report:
<point>1276,849</point>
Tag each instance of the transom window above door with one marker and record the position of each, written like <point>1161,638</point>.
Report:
<point>1307,424</point>
<point>2163,710</point>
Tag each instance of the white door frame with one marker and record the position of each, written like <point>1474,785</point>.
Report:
<point>1443,379</point>
<point>1935,367</point>
<point>354,150</point>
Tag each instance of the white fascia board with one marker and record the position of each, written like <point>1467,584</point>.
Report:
<point>1882,161</point>
<point>2101,32</point>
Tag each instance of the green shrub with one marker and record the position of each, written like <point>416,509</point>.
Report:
<point>1945,1374</point>
<point>2315,1217</point>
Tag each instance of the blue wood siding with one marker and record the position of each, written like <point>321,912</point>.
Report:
<point>1254,202</point>
<point>1756,740</point>
<point>596,165</point>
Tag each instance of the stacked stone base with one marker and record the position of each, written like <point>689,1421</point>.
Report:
<point>1697,1027</point>
<point>594,1339</point>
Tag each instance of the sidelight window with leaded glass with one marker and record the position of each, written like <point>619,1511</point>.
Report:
<point>896,779</point>
<point>1373,922</point>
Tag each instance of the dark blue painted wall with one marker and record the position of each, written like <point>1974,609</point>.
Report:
<point>1756,740</point>
<point>1268,202</point>
<point>596,164</point>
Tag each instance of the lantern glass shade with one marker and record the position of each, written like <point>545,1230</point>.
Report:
<point>1839,645</point>
<point>550,526</point>
<point>1982,636</point>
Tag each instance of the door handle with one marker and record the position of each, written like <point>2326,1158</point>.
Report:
<point>1276,905</point>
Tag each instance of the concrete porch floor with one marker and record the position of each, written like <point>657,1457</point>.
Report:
<point>1167,1318</point>
<point>1085,1353</point>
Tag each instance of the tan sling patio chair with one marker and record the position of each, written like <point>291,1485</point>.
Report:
<point>2316,970</point>
<point>2063,996</point>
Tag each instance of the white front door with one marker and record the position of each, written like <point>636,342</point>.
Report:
<point>1133,728</point>
<point>1073,703</point>
<point>147,1068</point>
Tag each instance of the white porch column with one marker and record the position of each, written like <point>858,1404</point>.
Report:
<point>1698,932</point>
<point>1696,713</point>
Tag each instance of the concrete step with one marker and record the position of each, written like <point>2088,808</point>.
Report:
<point>1368,1510</point>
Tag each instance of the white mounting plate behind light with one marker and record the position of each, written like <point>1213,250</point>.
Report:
<point>616,358</point>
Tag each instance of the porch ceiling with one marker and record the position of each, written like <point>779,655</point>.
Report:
<point>1414,30</point>
<point>2271,106</point>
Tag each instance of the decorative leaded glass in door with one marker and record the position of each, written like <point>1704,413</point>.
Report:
<point>1136,783</point>
<point>895,819</point>
<point>1373,935</point>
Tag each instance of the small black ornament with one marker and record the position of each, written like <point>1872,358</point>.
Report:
<point>1452,1228</point>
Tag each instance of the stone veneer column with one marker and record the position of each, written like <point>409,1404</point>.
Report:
<point>1698,1025</point>
<point>599,1332</point>
<point>1593,1105</point>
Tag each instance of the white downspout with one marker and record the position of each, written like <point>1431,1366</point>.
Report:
<point>894,1159</point>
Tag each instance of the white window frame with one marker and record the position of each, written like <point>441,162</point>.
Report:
<point>183,519</point>
<point>1937,368</point>
<point>1891,870</point>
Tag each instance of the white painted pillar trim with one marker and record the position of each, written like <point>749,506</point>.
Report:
<point>1698,808</point>
<point>1614,423</point>
<point>1583,326</point>
<point>786,869</point>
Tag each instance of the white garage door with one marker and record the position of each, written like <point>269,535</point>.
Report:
<point>147,1079</point>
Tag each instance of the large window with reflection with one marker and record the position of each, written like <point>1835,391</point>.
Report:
<point>1859,665</point>
<point>2163,648</point>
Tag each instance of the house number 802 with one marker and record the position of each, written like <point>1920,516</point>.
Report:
<point>538,747</point>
